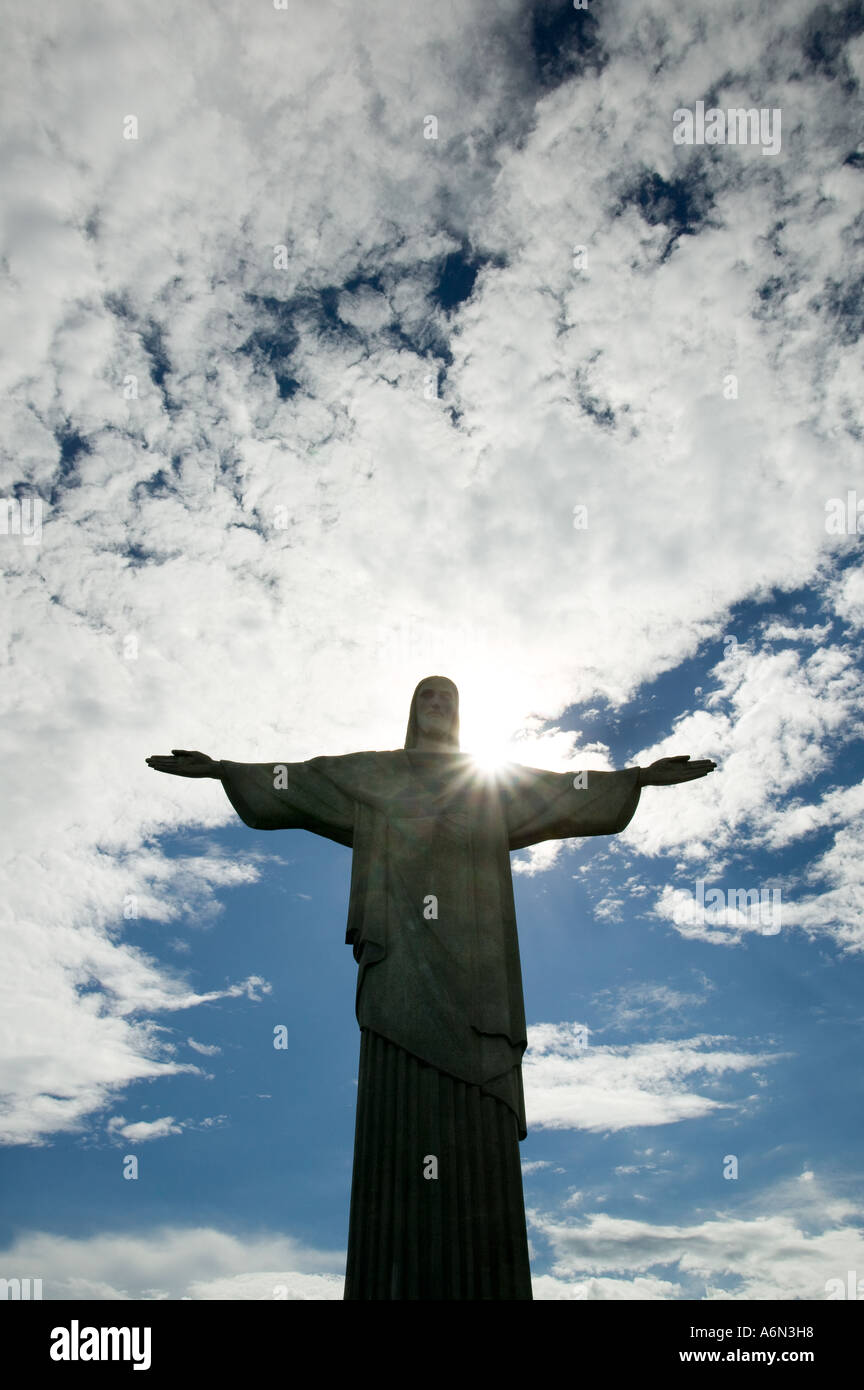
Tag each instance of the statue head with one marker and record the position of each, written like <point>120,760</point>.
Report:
<point>434,716</point>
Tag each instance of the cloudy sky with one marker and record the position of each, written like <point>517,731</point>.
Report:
<point>346,343</point>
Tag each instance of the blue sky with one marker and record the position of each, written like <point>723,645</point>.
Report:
<point>308,389</point>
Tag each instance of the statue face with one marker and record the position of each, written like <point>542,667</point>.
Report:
<point>436,706</point>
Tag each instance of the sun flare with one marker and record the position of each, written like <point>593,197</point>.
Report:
<point>489,758</point>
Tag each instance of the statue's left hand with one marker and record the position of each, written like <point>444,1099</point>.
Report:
<point>666,772</point>
<point>185,763</point>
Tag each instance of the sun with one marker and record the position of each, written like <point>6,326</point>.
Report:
<point>492,756</point>
<point>487,725</point>
<point>488,766</point>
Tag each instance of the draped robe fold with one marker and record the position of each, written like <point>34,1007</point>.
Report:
<point>439,1002</point>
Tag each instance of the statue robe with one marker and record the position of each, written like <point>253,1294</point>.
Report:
<point>432,924</point>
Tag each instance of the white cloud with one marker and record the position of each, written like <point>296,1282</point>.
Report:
<point>802,1238</point>
<point>789,632</point>
<point>175,1263</point>
<point>365,309</point>
<point>140,1131</point>
<point>773,722</point>
<point>605,1088</point>
<point>539,858</point>
<point>847,594</point>
<point>276,1284</point>
<point>833,808</point>
<point>547,1288</point>
<point>641,1005</point>
<point>608,909</point>
<point>834,910</point>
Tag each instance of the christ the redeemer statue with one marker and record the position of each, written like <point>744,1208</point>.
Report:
<point>436,1200</point>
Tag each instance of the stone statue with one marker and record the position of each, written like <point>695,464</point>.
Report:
<point>436,1201</point>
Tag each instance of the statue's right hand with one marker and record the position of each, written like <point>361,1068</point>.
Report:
<point>184,763</point>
